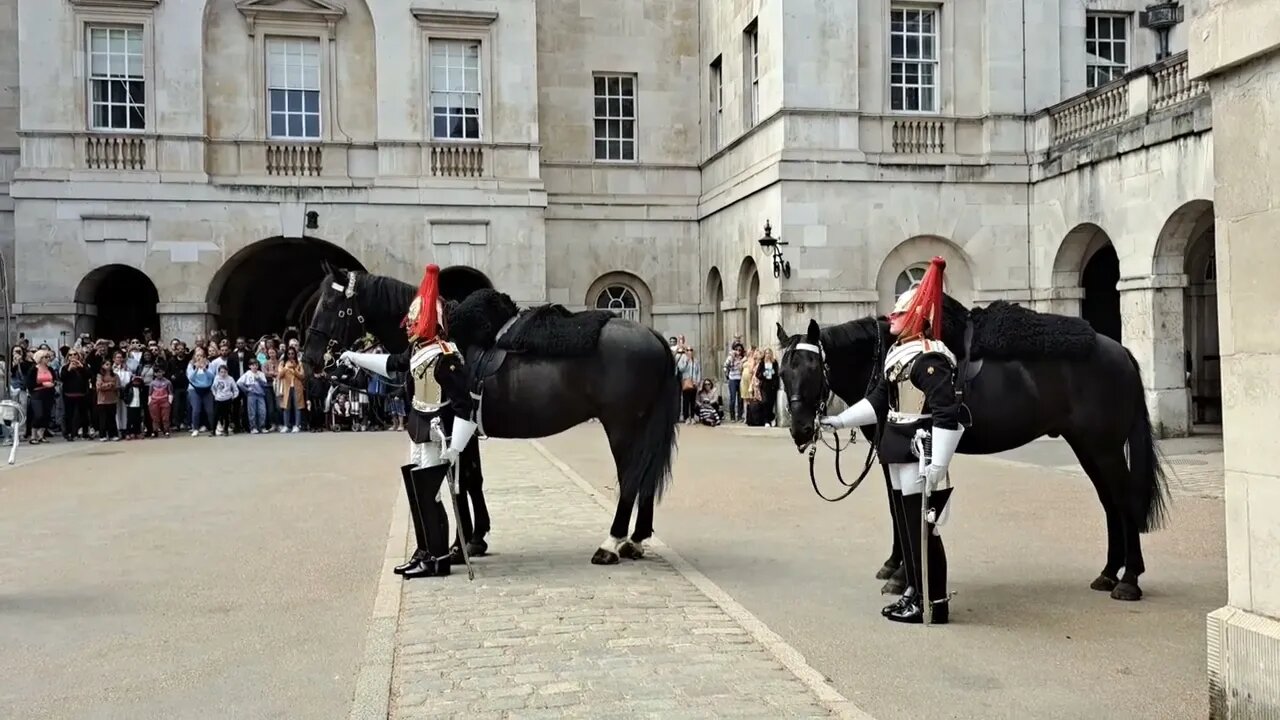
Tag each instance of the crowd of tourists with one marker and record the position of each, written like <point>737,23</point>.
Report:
<point>135,388</point>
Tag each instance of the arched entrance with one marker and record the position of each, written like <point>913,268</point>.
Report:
<point>273,284</point>
<point>714,298</point>
<point>1101,302</point>
<point>749,294</point>
<point>124,300</point>
<point>459,281</point>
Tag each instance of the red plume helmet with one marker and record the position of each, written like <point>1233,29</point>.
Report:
<point>926,303</point>
<point>422,324</point>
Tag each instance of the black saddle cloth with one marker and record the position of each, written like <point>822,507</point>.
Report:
<point>1008,331</point>
<point>553,331</point>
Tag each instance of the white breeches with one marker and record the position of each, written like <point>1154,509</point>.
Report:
<point>426,455</point>
<point>906,478</point>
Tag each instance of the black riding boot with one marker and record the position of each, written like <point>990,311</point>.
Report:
<point>913,610</point>
<point>908,568</point>
<point>426,483</point>
<point>416,515</point>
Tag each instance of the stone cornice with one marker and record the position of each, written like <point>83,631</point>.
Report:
<point>319,12</point>
<point>117,4</point>
<point>461,18</point>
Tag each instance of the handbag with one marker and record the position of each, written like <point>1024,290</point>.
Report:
<point>688,384</point>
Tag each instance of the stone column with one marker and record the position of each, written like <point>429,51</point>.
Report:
<point>185,320</point>
<point>1151,310</point>
<point>1235,47</point>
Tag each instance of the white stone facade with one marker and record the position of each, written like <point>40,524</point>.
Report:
<point>713,118</point>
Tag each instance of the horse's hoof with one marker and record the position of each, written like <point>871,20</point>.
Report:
<point>604,557</point>
<point>886,570</point>
<point>1128,592</point>
<point>1104,584</point>
<point>477,549</point>
<point>631,550</point>
<point>895,586</point>
<point>455,555</point>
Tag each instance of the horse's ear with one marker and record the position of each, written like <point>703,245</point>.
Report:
<point>783,337</point>
<point>814,333</point>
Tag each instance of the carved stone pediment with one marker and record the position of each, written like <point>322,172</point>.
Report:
<point>292,11</point>
<point>117,4</point>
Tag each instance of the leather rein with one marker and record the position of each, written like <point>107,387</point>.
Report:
<point>819,436</point>
<point>346,314</point>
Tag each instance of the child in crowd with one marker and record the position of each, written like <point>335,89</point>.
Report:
<point>160,402</point>
<point>224,395</point>
<point>256,386</point>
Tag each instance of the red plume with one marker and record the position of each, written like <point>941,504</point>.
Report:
<point>424,326</point>
<point>926,304</point>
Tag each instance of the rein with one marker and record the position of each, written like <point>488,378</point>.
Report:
<point>818,435</point>
<point>346,314</point>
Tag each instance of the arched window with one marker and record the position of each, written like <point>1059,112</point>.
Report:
<point>620,300</point>
<point>911,277</point>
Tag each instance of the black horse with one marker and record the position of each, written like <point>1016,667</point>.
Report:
<point>1041,375</point>
<point>628,381</point>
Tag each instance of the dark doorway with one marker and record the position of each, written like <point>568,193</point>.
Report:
<point>125,299</point>
<point>459,281</point>
<point>1101,304</point>
<point>271,285</point>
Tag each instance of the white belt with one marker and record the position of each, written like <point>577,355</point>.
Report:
<point>425,407</point>
<point>906,418</point>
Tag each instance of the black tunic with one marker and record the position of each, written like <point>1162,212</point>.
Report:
<point>452,376</point>
<point>934,375</point>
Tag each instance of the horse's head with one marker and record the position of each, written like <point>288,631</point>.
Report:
<point>804,379</point>
<point>333,321</point>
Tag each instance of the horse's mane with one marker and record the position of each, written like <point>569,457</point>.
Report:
<point>387,292</point>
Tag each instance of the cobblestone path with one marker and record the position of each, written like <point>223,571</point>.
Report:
<point>542,633</point>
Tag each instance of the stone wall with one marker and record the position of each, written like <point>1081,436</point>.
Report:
<point>1237,49</point>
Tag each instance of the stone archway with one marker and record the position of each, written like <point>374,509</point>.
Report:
<point>273,284</point>
<point>1185,256</point>
<point>623,294</point>
<point>715,298</point>
<point>122,302</point>
<point>905,265</point>
<point>749,300</point>
<point>459,281</point>
<point>1087,261</point>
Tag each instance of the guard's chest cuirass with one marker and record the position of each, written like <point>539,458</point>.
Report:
<point>907,401</point>
<point>428,396</point>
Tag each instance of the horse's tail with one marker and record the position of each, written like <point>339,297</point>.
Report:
<point>1149,492</point>
<point>647,471</point>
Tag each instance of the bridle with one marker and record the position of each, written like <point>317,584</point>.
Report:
<point>826,393</point>
<point>347,313</point>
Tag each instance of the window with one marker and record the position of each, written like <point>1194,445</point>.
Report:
<point>615,117</point>
<point>751,56</point>
<point>911,278</point>
<point>913,59</point>
<point>455,89</point>
<point>117,96</point>
<point>1106,48</point>
<point>293,88</point>
<point>621,301</point>
<point>717,102</point>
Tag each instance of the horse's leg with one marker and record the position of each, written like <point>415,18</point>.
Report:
<point>1116,470</point>
<point>1110,575</point>
<point>476,545</point>
<point>894,562</point>
<point>634,548</point>
<point>896,579</point>
<point>608,552</point>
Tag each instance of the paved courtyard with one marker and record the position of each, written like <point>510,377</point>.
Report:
<point>250,577</point>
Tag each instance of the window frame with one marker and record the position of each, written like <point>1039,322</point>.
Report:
<point>125,15</point>
<point>941,32</point>
<point>638,310</point>
<point>751,74</point>
<point>90,104</point>
<point>466,25</point>
<point>716,103</point>
<point>479,92</point>
<point>322,126</point>
<point>1090,18</point>
<point>606,75</point>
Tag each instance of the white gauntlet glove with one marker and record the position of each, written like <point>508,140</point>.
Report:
<point>856,416</point>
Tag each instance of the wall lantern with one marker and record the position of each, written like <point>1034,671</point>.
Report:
<point>770,244</point>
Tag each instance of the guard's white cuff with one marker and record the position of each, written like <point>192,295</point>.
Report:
<point>860,414</point>
<point>373,362</point>
<point>463,430</point>
<point>944,445</point>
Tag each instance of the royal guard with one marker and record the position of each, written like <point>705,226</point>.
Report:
<point>916,401</point>
<point>436,389</point>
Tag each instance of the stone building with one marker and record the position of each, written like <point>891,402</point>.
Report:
<point>186,164</point>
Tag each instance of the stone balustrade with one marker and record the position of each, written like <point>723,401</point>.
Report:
<point>925,136</point>
<point>1156,87</point>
